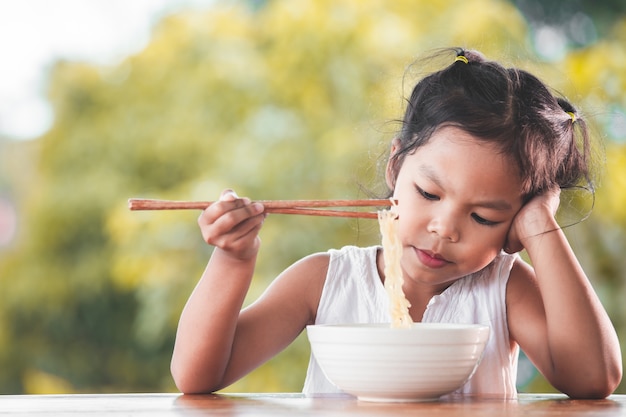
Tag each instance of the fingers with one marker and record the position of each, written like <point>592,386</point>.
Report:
<point>533,219</point>
<point>232,223</point>
<point>228,195</point>
<point>230,210</point>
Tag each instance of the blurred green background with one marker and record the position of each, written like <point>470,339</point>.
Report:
<point>279,100</point>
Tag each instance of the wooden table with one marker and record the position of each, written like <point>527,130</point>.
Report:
<point>277,405</point>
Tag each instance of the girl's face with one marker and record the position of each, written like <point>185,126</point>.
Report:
<point>457,199</point>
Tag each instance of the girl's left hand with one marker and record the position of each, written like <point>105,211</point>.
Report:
<point>533,219</point>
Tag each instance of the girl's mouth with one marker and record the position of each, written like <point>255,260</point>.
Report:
<point>431,259</point>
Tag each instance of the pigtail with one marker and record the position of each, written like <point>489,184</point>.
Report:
<point>467,56</point>
<point>568,109</point>
<point>576,171</point>
<point>575,164</point>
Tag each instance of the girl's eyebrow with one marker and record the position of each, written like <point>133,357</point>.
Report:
<point>500,205</point>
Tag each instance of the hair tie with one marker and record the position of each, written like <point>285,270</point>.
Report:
<point>461,58</point>
<point>571,115</point>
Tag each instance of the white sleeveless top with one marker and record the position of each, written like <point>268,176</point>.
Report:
<point>354,293</point>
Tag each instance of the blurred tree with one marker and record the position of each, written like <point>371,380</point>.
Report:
<point>277,99</point>
<point>581,22</point>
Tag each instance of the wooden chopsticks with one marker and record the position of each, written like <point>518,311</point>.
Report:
<point>303,207</point>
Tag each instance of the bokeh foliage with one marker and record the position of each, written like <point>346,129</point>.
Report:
<point>283,100</point>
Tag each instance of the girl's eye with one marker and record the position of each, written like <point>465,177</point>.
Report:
<point>483,221</point>
<point>427,196</point>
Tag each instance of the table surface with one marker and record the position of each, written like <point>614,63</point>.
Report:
<point>296,404</point>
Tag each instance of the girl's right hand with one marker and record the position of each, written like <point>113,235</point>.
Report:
<point>232,224</point>
<point>534,219</point>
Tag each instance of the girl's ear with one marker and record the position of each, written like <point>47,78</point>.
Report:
<point>391,172</point>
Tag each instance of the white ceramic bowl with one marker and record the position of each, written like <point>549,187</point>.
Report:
<point>376,362</point>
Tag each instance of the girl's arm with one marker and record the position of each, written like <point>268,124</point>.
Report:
<point>553,311</point>
<point>216,342</point>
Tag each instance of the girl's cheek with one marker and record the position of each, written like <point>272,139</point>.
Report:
<point>410,220</point>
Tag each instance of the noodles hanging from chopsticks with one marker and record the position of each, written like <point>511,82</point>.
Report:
<point>392,252</point>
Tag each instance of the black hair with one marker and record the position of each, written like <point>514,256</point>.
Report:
<point>544,135</point>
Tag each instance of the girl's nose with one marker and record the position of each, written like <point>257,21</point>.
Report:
<point>444,226</point>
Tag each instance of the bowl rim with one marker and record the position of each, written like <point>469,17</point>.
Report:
<point>387,326</point>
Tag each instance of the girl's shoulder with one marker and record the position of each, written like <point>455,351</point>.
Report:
<point>353,291</point>
<point>354,263</point>
<point>321,261</point>
<point>356,254</point>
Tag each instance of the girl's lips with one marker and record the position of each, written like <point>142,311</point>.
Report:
<point>430,259</point>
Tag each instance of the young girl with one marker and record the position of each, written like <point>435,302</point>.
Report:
<point>476,169</point>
